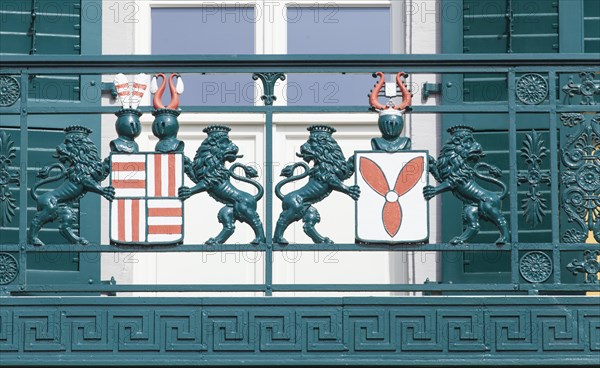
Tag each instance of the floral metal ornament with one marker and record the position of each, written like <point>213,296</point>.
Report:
<point>268,80</point>
<point>390,122</point>
<point>580,197</point>
<point>128,124</point>
<point>532,89</point>
<point>457,169</point>
<point>535,267</point>
<point>590,266</point>
<point>533,152</point>
<point>10,90</point>
<point>209,173</point>
<point>81,170</point>
<point>328,173</point>
<point>8,152</point>
<point>586,89</point>
<point>9,268</point>
<point>165,125</point>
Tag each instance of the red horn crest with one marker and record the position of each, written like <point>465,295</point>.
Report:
<point>174,95</point>
<point>174,104</point>
<point>374,96</point>
<point>159,92</point>
<point>406,96</point>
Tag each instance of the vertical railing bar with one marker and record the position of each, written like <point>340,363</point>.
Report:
<point>512,144</point>
<point>269,199</point>
<point>24,147</point>
<point>554,168</point>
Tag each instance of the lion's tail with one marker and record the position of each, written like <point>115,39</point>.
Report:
<point>250,173</point>
<point>503,187</point>
<point>288,172</point>
<point>44,174</point>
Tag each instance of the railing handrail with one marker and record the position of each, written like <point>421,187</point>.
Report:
<point>299,61</point>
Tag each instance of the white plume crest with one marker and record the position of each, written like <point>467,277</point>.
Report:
<point>179,87</point>
<point>153,85</point>
<point>123,91</point>
<point>140,83</point>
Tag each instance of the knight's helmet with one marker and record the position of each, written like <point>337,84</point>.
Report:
<point>165,126</point>
<point>390,119</point>
<point>127,125</point>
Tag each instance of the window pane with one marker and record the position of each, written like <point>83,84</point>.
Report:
<point>330,29</point>
<point>207,30</point>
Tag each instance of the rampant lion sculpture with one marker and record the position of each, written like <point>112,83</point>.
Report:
<point>210,175</point>
<point>454,172</point>
<point>83,173</point>
<point>328,173</point>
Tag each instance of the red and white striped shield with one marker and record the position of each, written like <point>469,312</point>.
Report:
<point>391,207</point>
<point>146,209</point>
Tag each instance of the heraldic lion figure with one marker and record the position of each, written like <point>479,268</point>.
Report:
<point>82,171</point>
<point>329,171</point>
<point>454,172</point>
<point>209,173</point>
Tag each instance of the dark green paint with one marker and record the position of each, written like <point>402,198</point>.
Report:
<point>351,331</point>
<point>328,173</point>
<point>80,170</point>
<point>456,169</point>
<point>208,172</point>
<point>128,128</point>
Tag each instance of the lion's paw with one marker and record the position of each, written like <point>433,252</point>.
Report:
<point>354,192</point>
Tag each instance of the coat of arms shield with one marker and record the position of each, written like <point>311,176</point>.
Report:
<point>146,209</point>
<point>391,207</point>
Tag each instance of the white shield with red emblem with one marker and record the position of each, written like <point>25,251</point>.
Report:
<point>391,207</point>
<point>146,209</point>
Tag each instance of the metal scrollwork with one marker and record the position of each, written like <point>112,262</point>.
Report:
<point>81,171</point>
<point>8,152</point>
<point>532,89</point>
<point>535,267</point>
<point>10,90</point>
<point>9,268</point>
<point>533,151</point>
<point>586,89</point>
<point>589,266</point>
<point>581,179</point>
<point>268,80</point>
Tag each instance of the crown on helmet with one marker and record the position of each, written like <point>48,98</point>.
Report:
<point>390,107</point>
<point>321,128</point>
<point>460,128</point>
<point>216,128</point>
<point>77,129</point>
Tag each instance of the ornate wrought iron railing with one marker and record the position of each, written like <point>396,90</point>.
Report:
<point>536,83</point>
<point>554,102</point>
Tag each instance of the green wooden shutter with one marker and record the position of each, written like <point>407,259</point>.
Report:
<point>505,26</point>
<point>44,27</point>
<point>66,27</point>
<point>591,25</point>
<point>501,26</point>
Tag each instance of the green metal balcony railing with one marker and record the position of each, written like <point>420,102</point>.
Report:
<point>565,113</point>
<point>553,68</point>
